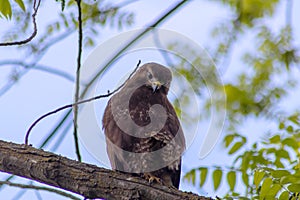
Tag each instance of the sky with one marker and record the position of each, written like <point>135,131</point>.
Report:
<point>38,92</point>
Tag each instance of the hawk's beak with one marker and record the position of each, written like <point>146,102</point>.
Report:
<point>155,85</point>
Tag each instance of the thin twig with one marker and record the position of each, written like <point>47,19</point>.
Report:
<point>62,193</point>
<point>39,56</point>
<point>36,5</point>
<point>77,83</point>
<point>148,28</point>
<point>55,39</point>
<point>61,137</point>
<point>154,24</point>
<point>43,68</point>
<point>161,50</point>
<point>21,193</point>
<point>38,195</point>
<point>77,103</point>
<point>58,126</point>
<point>131,42</point>
<point>48,138</point>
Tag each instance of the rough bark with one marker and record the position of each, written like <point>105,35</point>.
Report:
<point>84,179</point>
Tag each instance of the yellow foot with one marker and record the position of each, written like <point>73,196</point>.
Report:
<point>152,178</point>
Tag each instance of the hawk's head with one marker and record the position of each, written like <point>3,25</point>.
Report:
<point>154,76</point>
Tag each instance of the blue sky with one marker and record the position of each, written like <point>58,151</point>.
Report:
<point>38,92</point>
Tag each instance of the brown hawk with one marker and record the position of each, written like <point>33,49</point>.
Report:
<point>143,134</point>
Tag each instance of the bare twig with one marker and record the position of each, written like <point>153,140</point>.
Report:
<point>160,48</point>
<point>148,28</point>
<point>54,40</point>
<point>154,24</point>
<point>36,5</point>
<point>61,137</point>
<point>24,186</point>
<point>38,195</point>
<point>77,83</point>
<point>151,25</point>
<point>46,141</point>
<point>43,68</point>
<point>38,57</point>
<point>77,103</point>
<point>55,129</point>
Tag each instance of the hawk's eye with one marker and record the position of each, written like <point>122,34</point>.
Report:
<point>150,76</point>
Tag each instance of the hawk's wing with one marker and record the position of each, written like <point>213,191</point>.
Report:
<point>167,144</point>
<point>115,140</point>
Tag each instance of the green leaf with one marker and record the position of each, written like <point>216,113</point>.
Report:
<point>281,125</point>
<point>228,139</point>
<point>278,163</point>
<point>294,119</point>
<point>5,9</point>
<point>284,195</point>
<point>21,4</point>
<point>235,147</point>
<point>245,178</point>
<point>297,174</point>
<point>231,179</point>
<point>280,173</point>
<point>258,176</point>
<point>289,179</point>
<point>245,161</point>
<point>291,143</point>
<point>265,188</point>
<point>191,176</point>
<point>271,150</point>
<point>275,139</point>
<point>217,177</point>
<point>203,175</point>
<point>282,154</point>
<point>294,187</point>
<point>243,198</point>
<point>273,191</point>
<point>290,129</point>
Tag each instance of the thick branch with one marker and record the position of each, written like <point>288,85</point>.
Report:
<point>84,179</point>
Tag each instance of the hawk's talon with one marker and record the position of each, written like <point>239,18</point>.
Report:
<point>172,187</point>
<point>151,178</point>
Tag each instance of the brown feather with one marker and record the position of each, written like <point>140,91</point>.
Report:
<point>138,152</point>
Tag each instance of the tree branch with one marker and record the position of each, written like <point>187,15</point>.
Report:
<point>34,187</point>
<point>84,179</point>
<point>39,67</point>
<point>36,5</point>
<point>77,83</point>
<point>77,103</point>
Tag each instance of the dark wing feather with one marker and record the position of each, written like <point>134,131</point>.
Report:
<point>170,137</point>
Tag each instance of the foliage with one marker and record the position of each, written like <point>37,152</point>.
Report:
<point>61,25</point>
<point>268,168</point>
<point>6,10</point>
<point>95,15</point>
<point>247,11</point>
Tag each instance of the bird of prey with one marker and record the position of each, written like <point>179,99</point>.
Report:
<point>143,133</point>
